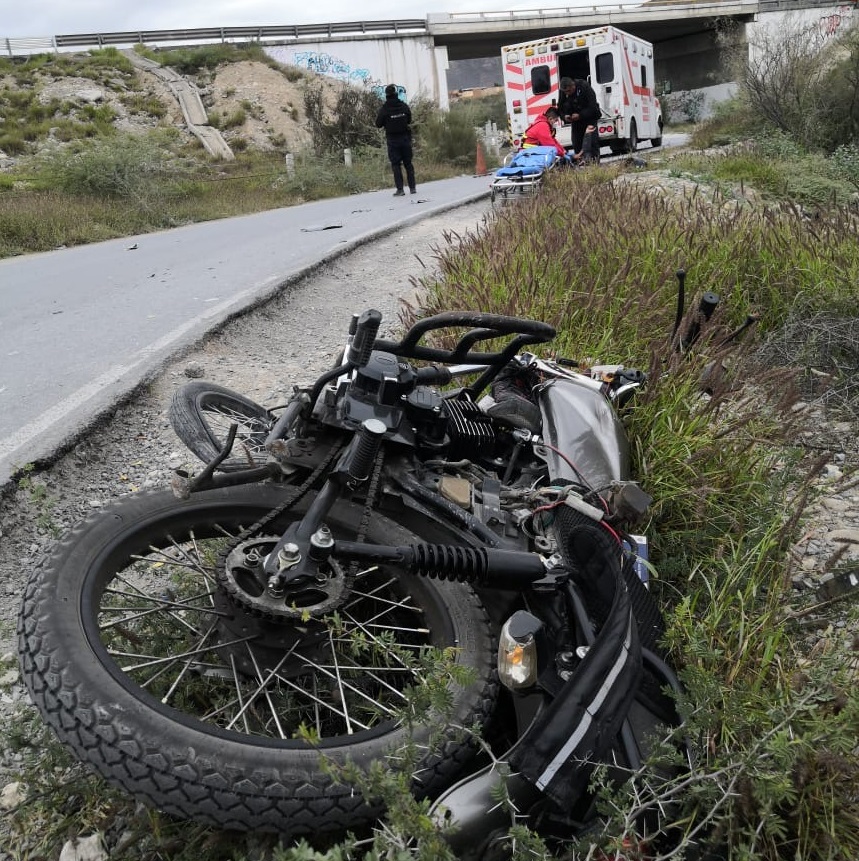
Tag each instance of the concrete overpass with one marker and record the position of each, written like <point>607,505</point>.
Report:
<point>468,35</point>
<point>684,34</point>
<point>416,52</point>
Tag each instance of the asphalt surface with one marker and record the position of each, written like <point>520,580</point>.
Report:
<point>82,328</point>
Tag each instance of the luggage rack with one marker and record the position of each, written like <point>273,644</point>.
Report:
<point>524,173</point>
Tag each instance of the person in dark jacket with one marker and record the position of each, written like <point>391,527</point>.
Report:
<point>395,117</point>
<point>577,104</point>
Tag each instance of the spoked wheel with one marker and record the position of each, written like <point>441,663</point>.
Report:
<point>201,414</point>
<point>148,647</point>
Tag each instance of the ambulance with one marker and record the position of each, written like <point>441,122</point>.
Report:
<point>617,65</point>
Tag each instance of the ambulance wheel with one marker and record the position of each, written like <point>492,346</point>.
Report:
<point>632,142</point>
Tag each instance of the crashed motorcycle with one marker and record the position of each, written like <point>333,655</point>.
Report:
<point>450,500</point>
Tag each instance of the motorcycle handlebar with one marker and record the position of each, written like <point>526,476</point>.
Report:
<point>364,339</point>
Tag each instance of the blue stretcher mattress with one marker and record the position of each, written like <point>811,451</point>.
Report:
<point>529,162</point>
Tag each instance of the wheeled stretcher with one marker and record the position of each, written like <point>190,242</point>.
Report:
<point>524,174</point>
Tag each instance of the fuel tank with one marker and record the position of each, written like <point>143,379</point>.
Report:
<point>580,422</point>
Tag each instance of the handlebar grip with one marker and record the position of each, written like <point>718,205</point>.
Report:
<point>433,375</point>
<point>364,339</point>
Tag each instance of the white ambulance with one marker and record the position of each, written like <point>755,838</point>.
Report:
<point>617,65</point>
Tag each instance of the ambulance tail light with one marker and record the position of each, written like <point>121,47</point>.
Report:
<point>607,129</point>
<point>517,106</point>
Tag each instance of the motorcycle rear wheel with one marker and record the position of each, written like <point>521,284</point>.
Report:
<point>147,671</point>
<point>201,414</point>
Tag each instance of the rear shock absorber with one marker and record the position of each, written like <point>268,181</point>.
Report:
<point>480,566</point>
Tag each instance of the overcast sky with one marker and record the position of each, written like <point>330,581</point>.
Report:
<point>21,18</point>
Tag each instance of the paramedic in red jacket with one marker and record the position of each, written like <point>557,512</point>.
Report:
<point>542,132</point>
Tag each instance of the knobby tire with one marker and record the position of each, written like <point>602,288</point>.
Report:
<point>144,667</point>
<point>201,413</point>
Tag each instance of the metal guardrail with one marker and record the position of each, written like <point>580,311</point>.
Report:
<point>22,47</point>
<point>18,47</point>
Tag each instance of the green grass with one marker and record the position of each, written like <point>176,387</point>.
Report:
<point>75,197</point>
<point>725,471</point>
<point>192,60</point>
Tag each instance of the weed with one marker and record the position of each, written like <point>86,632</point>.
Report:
<point>189,61</point>
<point>142,103</point>
<point>233,120</point>
<point>39,499</point>
<point>252,109</point>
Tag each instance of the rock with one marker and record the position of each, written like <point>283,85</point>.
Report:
<point>12,795</point>
<point>832,472</point>
<point>84,849</point>
<point>835,504</point>
<point>850,536</point>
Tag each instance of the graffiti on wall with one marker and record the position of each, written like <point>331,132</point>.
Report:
<point>379,90</point>
<point>831,24</point>
<point>332,67</point>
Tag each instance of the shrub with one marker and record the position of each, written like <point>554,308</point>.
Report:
<point>233,120</point>
<point>844,163</point>
<point>351,124</point>
<point>190,61</point>
<point>13,142</point>
<point>120,168</point>
<point>144,103</point>
<point>449,138</point>
<point>480,111</point>
<point>689,103</point>
<point>802,84</point>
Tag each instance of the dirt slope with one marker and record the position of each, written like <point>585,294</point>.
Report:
<point>276,116</point>
<point>254,105</point>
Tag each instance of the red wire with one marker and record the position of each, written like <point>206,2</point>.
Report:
<point>615,534</point>
<point>569,463</point>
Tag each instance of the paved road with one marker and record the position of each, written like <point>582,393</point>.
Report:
<point>82,327</point>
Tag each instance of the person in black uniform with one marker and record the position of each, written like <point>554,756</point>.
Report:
<point>395,117</point>
<point>577,104</point>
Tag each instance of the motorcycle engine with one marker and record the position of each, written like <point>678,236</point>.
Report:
<point>385,388</point>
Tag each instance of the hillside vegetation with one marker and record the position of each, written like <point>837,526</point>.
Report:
<point>91,149</point>
<point>733,440</point>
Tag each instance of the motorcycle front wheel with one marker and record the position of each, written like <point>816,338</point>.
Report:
<point>201,414</point>
<point>210,708</point>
